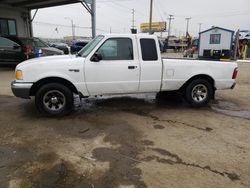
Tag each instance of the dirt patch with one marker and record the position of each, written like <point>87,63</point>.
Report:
<point>61,175</point>
<point>122,160</point>
<point>159,127</point>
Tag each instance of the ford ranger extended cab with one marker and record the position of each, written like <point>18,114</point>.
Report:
<point>118,64</point>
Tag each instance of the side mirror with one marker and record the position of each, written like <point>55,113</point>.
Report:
<point>15,46</point>
<point>96,57</point>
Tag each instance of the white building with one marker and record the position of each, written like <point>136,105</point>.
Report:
<point>14,21</point>
<point>15,17</point>
<point>215,43</point>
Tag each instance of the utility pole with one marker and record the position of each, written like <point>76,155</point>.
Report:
<point>188,19</point>
<point>93,18</point>
<point>110,29</point>
<point>150,16</point>
<point>200,27</point>
<point>72,26</point>
<point>171,17</point>
<point>133,18</point>
<point>236,45</point>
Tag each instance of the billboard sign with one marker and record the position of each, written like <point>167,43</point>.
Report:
<point>156,27</point>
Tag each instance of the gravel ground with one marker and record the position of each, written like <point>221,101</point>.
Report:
<point>127,141</point>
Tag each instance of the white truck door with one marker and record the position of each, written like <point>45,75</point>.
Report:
<point>118,71</point>
<point>151,64</point>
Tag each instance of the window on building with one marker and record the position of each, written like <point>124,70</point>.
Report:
<point>215,38</point>
<point>8,27</point>
<point>148,49</point>
<point>117,49</point>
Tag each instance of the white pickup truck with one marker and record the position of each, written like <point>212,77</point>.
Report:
<point>118,64</point>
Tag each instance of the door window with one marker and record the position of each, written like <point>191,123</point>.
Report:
<point>117,49</point>
<point>148,50</point>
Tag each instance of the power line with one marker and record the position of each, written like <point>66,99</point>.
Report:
<point>66,26</point>
<point>122,6</point>
<point>61,25</point>
<point>159,11</point>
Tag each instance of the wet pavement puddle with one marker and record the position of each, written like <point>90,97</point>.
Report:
<point>230,109</point>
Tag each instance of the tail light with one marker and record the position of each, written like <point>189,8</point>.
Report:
<point>235,73</point>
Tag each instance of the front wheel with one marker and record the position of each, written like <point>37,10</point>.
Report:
<point>199,92</point>
<point>54,100</point>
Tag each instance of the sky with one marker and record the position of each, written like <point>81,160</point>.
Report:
<point>115,16</point>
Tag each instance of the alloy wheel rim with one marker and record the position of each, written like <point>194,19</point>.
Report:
<point>54,100</point>
<point>199,93</point>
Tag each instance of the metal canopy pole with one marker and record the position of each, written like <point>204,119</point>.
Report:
<point>92,11</point>
<point>93,18</point>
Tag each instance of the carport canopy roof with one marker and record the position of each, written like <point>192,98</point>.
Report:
<point>36,4</point>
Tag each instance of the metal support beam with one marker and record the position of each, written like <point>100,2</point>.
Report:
<point>34,16</point>
<point>93,18</point>
<point>30,24</point>
<point>86,6</point>
<point>92,11</point>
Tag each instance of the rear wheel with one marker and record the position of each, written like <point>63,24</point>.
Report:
<point>54,99</point>
<point>199,92</point>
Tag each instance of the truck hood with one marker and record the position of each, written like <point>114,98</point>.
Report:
<point>48,60</point>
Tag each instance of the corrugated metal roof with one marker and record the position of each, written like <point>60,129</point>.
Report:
<point>35,4</point>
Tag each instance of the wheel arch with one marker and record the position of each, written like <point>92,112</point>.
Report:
<point>199,76</point>
<point>35,87</point>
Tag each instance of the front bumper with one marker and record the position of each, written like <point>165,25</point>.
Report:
<point>21,89</point>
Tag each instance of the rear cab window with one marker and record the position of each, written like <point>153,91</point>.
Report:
<point>148,49</point>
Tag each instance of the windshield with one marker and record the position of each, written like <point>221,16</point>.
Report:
<point>35,42</point>
<point>84,52</point>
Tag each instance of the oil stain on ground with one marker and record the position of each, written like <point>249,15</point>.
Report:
<point>173,159</point>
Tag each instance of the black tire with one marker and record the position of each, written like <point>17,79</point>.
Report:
<point>199,92</point>
<point>54,100</point>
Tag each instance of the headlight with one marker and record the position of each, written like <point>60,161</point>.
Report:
<point>19,75</point>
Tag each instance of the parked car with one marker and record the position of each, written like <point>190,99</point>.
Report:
<point>77,46</point>
<point>61,46</point>
<point>11,53</point>
<point>14,50</point>
<point>244,36</point>
<point>118,64</point>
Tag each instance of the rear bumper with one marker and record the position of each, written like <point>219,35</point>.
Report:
<point>21,89</point>
<point>225,84</point>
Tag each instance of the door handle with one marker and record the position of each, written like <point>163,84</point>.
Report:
<point>132,67</point>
